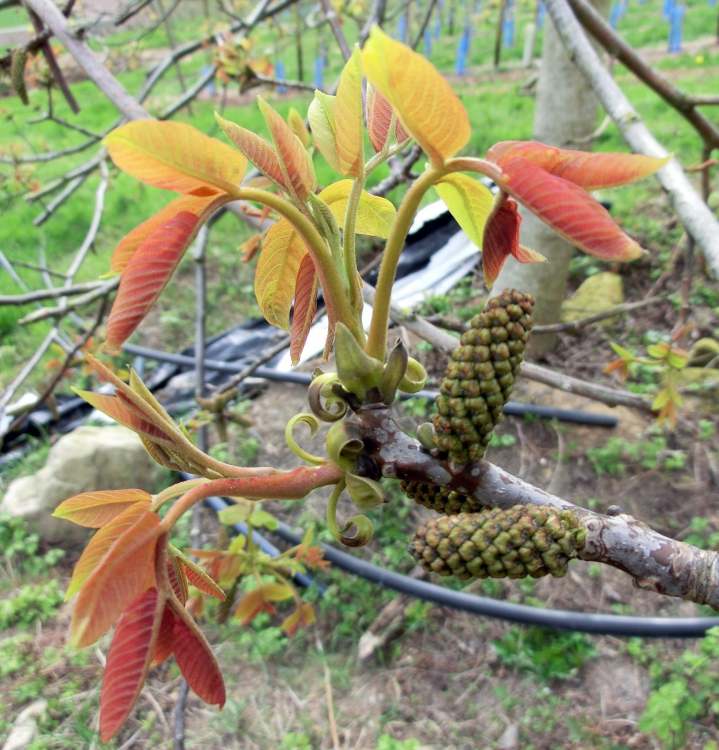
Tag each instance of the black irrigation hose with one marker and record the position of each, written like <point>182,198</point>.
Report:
<point>512,408</point>
<point>556,619</point>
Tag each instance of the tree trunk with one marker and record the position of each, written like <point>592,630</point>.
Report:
<point>565,114</point>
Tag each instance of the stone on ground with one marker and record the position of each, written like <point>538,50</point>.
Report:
<point>90,458</point>
<point>596,294</point>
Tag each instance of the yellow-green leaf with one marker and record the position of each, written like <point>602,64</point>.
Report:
<point>295,121</point>
<point>176,156</point>
<point>276,274</point>
<point>469,201</point>
<point>374,215</point>
<point>95,509</point>
<point>348,117</point>
<point>321,114</point>
<point>424,102</point>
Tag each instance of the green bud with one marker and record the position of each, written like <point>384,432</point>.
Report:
<point>394,371</point>
<point>357,371</point>
<point>365,493</point>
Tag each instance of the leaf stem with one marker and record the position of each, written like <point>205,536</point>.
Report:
<point>377,340</point>
<point>350,244</point>
<point>285,485</point>
<point>331,280</point>
<point>169,493</point>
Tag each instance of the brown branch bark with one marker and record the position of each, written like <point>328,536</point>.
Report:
<point>655,562</point>
<point>694,214</point>
<point>54,293</point>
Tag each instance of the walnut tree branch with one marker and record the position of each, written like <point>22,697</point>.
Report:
<point>655,562</point>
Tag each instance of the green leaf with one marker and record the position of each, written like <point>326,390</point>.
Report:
<point>469,201</point>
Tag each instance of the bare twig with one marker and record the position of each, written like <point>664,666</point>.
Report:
<point>328,693</point>
<point>62,310</point>
<point>694,214</point>
<point>334,23</point>
<point>401,172</point>
<point>53,293</point>
<point>575,326</point>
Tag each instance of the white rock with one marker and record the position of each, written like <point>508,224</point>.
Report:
<point>90,458</point>
<point>24,730</point>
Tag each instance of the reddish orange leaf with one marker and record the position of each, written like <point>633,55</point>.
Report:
<point>297,169</point>
<point>196,660</point>
<point>305,307</point>
<point>379,119</point>
<point>202,207</point>
<point>126,570</point>
<point>165,637</point>
<point>128,661</point>
<point>200,579</point>
<point>177,579</point>
<point>95,509</point>
<point>256,149</point>
<point>590,171</point>
<point>176,156</point>
<point>125,414</point>
<point>259,600</point>
<point>569,210</point>
<point>146,275</point>
<point>98,547</point>
<point>302,617</point>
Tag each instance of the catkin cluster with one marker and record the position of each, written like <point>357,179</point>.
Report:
<point>480,376</point>
<point>513,543</point>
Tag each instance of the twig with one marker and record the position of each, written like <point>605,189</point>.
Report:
<point>328,693</point>
<point>694,214</point>
<point>425,22</point>
<point>178,740</point>
<point>28,367</point>
<point>575,326</point>
<point>60,311</point>
<point>266,356</point>
<point>46,156</point>
<point>93,67</point>
<point>447,343</point>
<point>67,362</point>
<point>401,172</point>
<point>334,23</point>
<point>53,293</point>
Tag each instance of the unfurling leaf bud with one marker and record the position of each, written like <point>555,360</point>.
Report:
<point>394,371</point>
<point>495,543</point>
<point>480,376</point>
<point>357,371</point>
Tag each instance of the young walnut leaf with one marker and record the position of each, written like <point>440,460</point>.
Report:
<point>375,215</point>
<point>125,572</point>
<point>201,206</point>
<point>148,271</point>
<point>348,118</point>
<point>302,617</point>
<point>501,239</point>
<point>256,149</point>
<point>590,171</point>
<point>128,661</point>
<point>97,508</point>
<point>260,600</point>
<point>321,115</point>
<point>305,307</point>
<point>295,162</point>
<point>295,121</point>
<point>469,202</point>
<point>98,547</point>
<point>379,120</point>
<point>569,210</point>
<point>277,268</point>
<point>198,578</point>
<point>426,105</point>
<point>175,156</point>
<point>196,660</point>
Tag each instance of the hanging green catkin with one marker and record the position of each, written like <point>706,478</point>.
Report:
<point>477,384</point>
<point>513,543</point>
<point>480,376</point>
<point>18,61</point>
